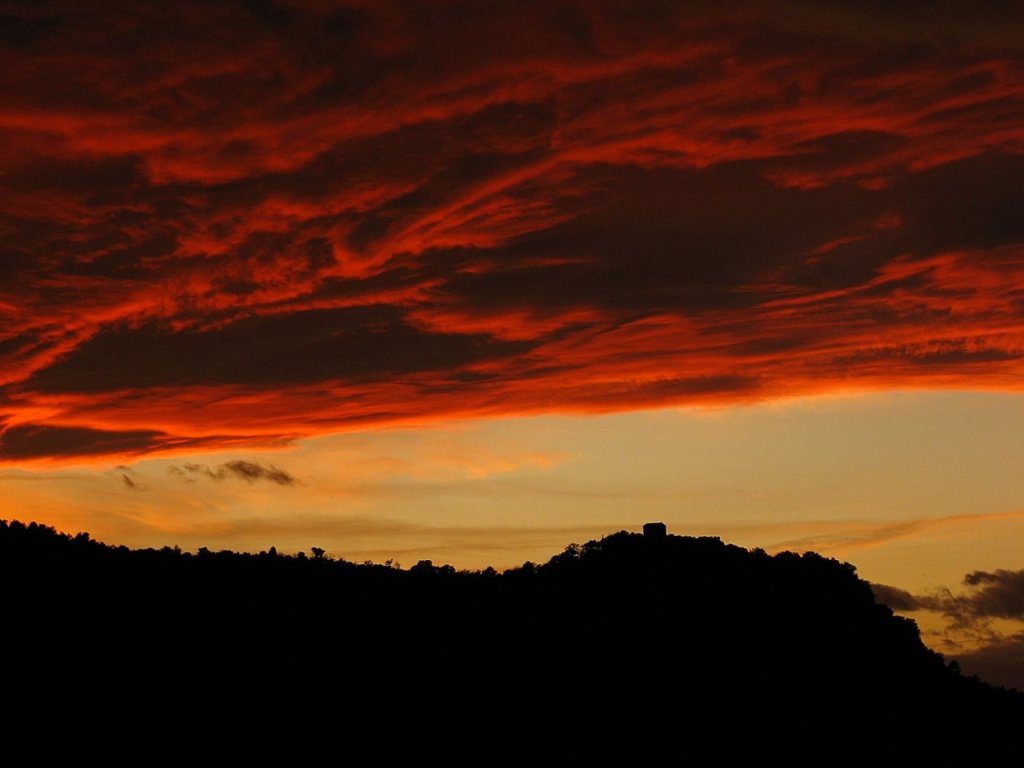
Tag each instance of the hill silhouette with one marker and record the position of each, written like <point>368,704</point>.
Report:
<point>661,649</point>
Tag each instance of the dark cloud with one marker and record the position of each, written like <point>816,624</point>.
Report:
<point>896,598</point>
<point>308,346</point>
<point>245,470</point>
<point>670,240</point>
<point>1000,662</point>
<point>27,442</point>
<point>129,477</point>
<point>33,441</point>
<point>989,595</point>
<point>997,594</point>
<point>968,203</point>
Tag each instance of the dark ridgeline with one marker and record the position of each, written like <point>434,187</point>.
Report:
<point>632,650</point>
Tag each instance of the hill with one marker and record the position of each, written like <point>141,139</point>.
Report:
<point>663,649</point>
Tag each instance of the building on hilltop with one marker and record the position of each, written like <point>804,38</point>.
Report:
<point>655,530</point>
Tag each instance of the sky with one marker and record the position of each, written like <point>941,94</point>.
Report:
<point>469,281</point>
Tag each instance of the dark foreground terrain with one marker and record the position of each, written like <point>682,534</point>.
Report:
<point>631,650</point>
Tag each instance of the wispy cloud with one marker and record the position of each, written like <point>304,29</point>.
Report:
<point>249,471</point>
<point>129,478</point>
<point>844,536</point>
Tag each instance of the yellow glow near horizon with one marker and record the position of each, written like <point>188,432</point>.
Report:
<point>912,487</point>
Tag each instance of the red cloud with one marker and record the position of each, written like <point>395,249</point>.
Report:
<point>279,221</point>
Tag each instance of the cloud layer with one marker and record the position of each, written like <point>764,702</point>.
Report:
<point>240,223</point>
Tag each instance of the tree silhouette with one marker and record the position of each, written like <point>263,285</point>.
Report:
<point>627,650</point>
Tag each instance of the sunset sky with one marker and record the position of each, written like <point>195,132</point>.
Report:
<point>469,281</point>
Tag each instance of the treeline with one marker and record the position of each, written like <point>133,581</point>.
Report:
<point>660,649</point>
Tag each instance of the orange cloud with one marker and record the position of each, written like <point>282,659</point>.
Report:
<point>351,213</point>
